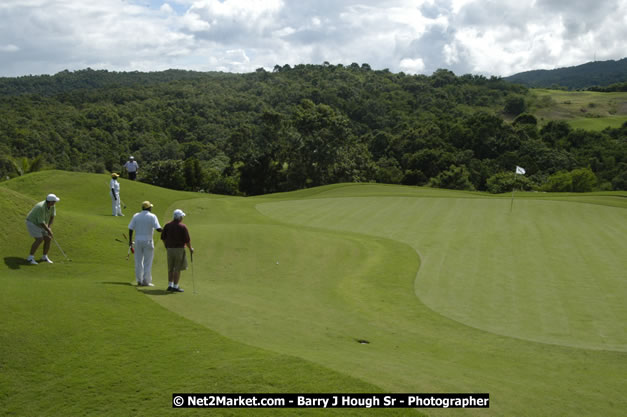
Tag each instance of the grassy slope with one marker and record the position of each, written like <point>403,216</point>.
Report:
<point>581,109</point>
<point>333,286</point>
<point>76,332</point>
<point>78,339</point>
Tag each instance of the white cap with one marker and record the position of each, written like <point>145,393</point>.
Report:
<point>178,214</point>
<point>52,197</point>
<point>130,157</point>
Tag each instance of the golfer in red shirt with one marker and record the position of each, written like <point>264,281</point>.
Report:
<point>175,236</point>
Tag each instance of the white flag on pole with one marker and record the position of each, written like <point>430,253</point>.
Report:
<point>520,170</point>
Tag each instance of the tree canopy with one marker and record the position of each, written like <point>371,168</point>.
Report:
<point>296,127</point>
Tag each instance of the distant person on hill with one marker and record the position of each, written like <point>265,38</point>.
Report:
<point>131,167</point>
<point>114,186</point>
<point>175,236</point>
<point>144,223</point>
<point>39,225</point>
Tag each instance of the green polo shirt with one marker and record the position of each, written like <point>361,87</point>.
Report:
<point>41,213</point>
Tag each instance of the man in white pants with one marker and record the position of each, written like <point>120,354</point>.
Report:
<point>143,224</point>
<point>114,185</point>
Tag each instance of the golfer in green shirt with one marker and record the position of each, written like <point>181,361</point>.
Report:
<point>39,225</point>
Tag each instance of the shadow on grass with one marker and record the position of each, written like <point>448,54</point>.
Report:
<point>15,262</point>
<point>156,292</point>
<point>145,290</point>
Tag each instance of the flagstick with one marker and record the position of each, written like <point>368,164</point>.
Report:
<point>518,171</point>
<point>511,206</point>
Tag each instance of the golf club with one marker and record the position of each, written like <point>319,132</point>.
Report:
<point>130,247</point>
<point>122,202</point>
<point>59,246</point>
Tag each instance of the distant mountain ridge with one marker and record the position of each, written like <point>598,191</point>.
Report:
<point>591,74</point>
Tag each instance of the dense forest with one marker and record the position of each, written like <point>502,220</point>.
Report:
<point>592,75</point>
<point>297,127</point>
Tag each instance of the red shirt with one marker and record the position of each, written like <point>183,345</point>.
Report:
<point>175,235</point>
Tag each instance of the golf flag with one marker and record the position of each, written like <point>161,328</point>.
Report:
<point>520,170</point>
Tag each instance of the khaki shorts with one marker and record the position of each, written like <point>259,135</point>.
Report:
<point>35,231</point>
<point>177,259</point>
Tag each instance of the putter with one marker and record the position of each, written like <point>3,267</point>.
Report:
<point>59,246</point>
<point>122,202</point>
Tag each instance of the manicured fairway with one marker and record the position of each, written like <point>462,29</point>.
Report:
<point>453,292</point>
<point>78,339</point>
<point>349,270</point>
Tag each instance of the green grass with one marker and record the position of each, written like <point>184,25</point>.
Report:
<point>581,109</point>
<point>454,292</point>
<point>519,261</point>
<point>78,339</point>
<point>600,123</point>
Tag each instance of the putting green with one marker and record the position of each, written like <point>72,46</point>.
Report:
<point>439,284</point>
<point>547,271</point>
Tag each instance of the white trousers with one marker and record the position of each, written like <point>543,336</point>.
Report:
<point>144,252</point>
<point>115,204</point>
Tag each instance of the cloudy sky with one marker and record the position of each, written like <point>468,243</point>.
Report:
<point>489,37</point>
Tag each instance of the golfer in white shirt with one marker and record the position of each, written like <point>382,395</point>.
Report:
<point>131,167</point>
<point>143,224</point>
<point>114,186</point>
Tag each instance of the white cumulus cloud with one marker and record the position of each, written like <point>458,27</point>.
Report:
<point>491,37</point>
<point>412,66</point>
